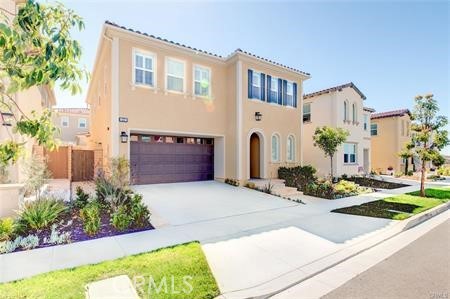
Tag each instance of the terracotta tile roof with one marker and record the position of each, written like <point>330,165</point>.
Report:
<point>73,110</point>
<point>333,89</point>
<point>206,52</point>
<point>393,113</point>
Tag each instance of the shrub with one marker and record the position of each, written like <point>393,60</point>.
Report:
<point>267,188</point>
<point>444,170</point>
<point>139,212</point>
<point>110,194</point>
<point>121,219</point>
<point>120,172</point>
<point>40,213</point>
<point>29,242</point>
<point>410,173</point>
<point>90,215</point>
<point>81,198</point>
<point>6,229</point>
<point>323,189</point>
<point>345,187</point>
<point>298,177</point>
<point>250,185</point>
<point>232,182</point>
<point>398,174</point>
<point>57,237</point>
<point>37,174</point>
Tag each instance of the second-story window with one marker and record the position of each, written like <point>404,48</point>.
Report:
<point>307,112</point>
<point>273,89</point>
<point>143,69</point>
<point>290,94</point>
<point>202,81</point>
<point>366,122</point>
<point>354,113</point>
<point>175,75</point>
<point>256,85</point>
<point>82,123</point>
<point>64,121</point>
<point>373,129</point>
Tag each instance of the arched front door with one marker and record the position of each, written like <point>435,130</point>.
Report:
<point>255,162</point>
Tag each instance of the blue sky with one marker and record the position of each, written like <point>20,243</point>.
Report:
<point>391,50</point>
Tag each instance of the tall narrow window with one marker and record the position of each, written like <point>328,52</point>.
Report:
<point>202,81</point>
<point>349,153</point>
<point>275,148</point>
<point>64,121</point>
<point>345,110</point>
<point>256,85</point>
<point>366,122</point>
<point>354,113</point>
<point>175,75</point>
<point>290,94</point>
<point>290,149</point>
<point>373,129</point>
<point>273,97</point>
<point>143,69</point>
<point>307,112</point>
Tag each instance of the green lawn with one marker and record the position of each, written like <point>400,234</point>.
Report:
<point>177,262</point>
<point>401,206</point>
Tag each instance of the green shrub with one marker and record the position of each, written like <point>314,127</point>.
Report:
<point>398,174</point>
<point>232,182</point>
<point>139,212</point>
<point>6,229</point>
<point>410,173</point>
<point>323,189</point>
<point>344,187</point>
<point>121,218</point>
<point>39,214</point>
<point>299,177</point>
<point>90,215</point>
<point>444,170</point>
<point>81,198</point>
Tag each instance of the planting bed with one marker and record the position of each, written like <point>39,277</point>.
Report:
<point>373,183</point>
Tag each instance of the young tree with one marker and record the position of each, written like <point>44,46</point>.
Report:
<point>429,135</point>
<point>329,139</point>
<point>407,153</point>
<point>36,49</point>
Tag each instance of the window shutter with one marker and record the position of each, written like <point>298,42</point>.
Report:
<point>295,94</point>
<point>284,92</point>
<point>269,86</point>
<point>280,91</point>
<point>250,83</point>
<point>263,87</point>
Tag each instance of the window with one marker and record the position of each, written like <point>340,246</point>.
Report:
<point>290,154</point>
<point>202,81</point>
<point>408,125</point>
<point>275,148</point>
<point>146,138</point>
<point>290,94</point>
<point>366,122</point>
<point>345,110</point>
<point>354,113</point>
<point>64,121</point>
<point>273,96</point>
<point>307,112</point>
<point>143,69</point>
<point>349,153</point>
<point>256,85</point>
<point>373,129</point>
<point>82,123</point>
<point>175,75</point>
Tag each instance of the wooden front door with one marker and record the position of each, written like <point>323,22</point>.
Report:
<point>255,159</point>
<point>82,165</point>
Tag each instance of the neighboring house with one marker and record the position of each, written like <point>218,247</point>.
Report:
<point>183,114</point>
<point>73,123</point>
<point>338,107</point>
<point>390,131</point>
<point>34,99</point>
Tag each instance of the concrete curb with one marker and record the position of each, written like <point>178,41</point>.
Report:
<point>328,262</point>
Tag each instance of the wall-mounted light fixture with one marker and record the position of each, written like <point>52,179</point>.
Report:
<point>7,118</point>
<point>258,116</point>
<point>123,137</point>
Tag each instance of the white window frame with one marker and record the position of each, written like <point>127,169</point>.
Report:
<point>354,113</point>
<point>167,74</point>
<point>346,103</point>
<point>85,123</point>
<point>310,113</point>
<point>277,159</point>
<point>291,157</point>
<point>65,119</point>
<point>355,147</point>
<point>256,73</point>
<point>144,54</point>
<point>366,122</point>
<point>376,129</point>
<point>193,80</point>
<point>274,88</point>
<point>290,94</point>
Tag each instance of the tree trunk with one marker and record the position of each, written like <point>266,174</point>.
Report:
<point>422,180</point>
<point>331,173</point>
<point>406,166</point>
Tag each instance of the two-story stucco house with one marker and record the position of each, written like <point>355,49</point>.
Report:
<point>341,106</point>
<point>183,114</point>
<point>391,131</point>
<point>72,123</point>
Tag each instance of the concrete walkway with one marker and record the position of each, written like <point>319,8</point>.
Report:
<point>255,245</point>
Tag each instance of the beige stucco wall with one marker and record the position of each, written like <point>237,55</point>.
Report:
<point>389,142</point>
<point>157,111</point>
<point>327,110</point>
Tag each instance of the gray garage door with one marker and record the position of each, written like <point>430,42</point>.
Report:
<point>170,159</point>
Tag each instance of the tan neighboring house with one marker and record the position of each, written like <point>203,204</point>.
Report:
<point>34,99</point>
<point>338,107</point>
<point>183,114</point>
<point>73,124</point>
<point>390,132</point>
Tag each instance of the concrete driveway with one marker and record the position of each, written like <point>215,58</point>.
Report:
<point>251,238</point>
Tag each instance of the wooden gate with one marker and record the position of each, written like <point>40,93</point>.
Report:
<point>82,165</point>
<point>57,162</point>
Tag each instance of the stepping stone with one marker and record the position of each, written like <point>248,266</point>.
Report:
<point>118,287</point>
